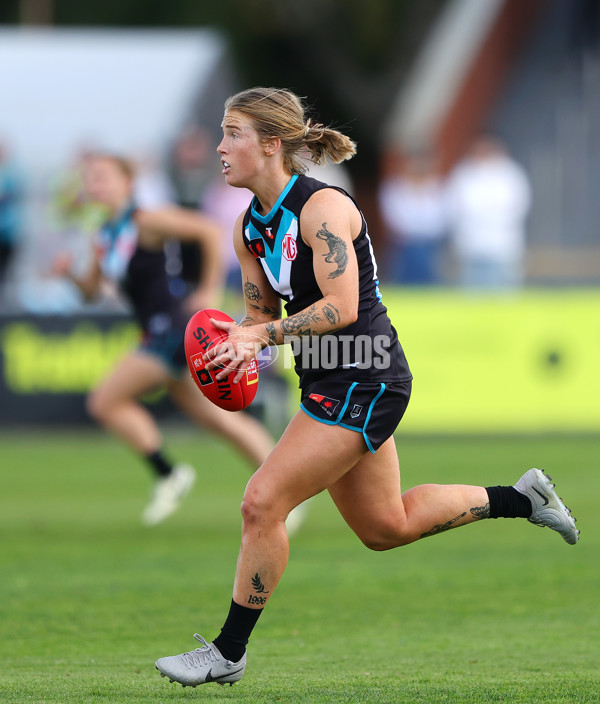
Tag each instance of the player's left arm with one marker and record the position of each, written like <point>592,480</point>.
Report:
<point>189,226</point>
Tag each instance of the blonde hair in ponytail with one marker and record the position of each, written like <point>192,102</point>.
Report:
<point>276,112</point>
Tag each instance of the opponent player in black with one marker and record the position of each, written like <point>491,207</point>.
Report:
<point>308,244</point>
<point>128,251</point>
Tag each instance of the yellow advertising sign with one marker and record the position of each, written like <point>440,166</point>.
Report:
<point>522,363</point>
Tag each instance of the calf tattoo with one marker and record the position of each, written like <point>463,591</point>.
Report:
<point>258,587</point>
<point>338,253</point>
<point>441,527</point>
<point>481,511</point>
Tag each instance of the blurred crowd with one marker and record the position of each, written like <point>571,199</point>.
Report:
<point>466,227</point>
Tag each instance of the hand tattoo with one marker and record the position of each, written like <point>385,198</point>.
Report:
<point>337,254</point>
<point>246,322</point>
<point>251,291</point>
<point>441,527</point>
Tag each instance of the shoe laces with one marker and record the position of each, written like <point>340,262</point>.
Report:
<point>200,656</point>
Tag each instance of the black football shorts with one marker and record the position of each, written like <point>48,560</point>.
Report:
<point>371,408</point>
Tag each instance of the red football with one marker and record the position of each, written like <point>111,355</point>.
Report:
<point>200,334</point>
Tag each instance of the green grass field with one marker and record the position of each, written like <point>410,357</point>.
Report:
<point>497,612</point>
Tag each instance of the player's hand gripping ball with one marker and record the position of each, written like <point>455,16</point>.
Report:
<point>200,335</point>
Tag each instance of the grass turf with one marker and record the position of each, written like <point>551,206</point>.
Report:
<point>497,612</point>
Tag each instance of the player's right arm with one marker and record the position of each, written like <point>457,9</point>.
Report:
<point>262,303</point>
<point>89,283</point>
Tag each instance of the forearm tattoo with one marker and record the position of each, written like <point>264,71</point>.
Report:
<point>251,291</point>
<point>272,333</point>
<point>259,588</point>
<point>331,313</point>
<point>481,511</point>
<point>301,323</point>
<point>337,254</point>
<point>266,310</point>
<point>441,527</point>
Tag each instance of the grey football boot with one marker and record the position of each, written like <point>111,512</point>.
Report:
<point>548,508</point>
<point>205,664</point>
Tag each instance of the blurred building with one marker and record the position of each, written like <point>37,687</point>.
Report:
<point>528,72</point>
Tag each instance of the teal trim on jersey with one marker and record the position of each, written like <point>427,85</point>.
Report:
<point>273,258</point>
<point>368,418</point>
<point>265,218</point>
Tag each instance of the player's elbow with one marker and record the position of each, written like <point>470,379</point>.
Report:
<point>352,315</point>
<point>349,313</point>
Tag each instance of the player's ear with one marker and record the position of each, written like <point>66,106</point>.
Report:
<point>272,145</point>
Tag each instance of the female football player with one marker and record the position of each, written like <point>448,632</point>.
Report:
<point>129,251</point>
<point>307,243</point>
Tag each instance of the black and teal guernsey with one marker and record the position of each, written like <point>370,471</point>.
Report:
<point>366,350</point>
<point>140,274</point>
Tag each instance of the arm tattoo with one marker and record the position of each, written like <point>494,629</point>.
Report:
<point>331,313</point>
<point>300,323</point>
<point>251,291</point>
<point>272,333</point>
<point>337,254</point>
<point>267,310</point>
<point>441,527</point>
<point>481,511</point>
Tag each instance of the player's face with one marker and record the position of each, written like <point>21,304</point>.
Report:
<point>104,182</point>
<point>242,155</point>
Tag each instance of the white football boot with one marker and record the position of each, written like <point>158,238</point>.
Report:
<point>548,508</point>
<point>168,493</point>
<point>205,664</point>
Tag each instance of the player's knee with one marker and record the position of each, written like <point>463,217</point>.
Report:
<point>254,507</point>
<point>259,506</point>
<point>386,536</point>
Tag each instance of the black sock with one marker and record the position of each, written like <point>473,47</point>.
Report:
<point>507,502</point>
<point>160,465</point>
<point>236,631</point>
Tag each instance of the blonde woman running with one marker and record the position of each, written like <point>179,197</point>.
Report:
<point>307,243</point>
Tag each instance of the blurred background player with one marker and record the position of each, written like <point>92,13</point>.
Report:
<point>11,194</point>
<point>128,251</point>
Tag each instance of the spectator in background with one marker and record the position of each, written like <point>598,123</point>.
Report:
<point>489,198</point>
<point>10,210</point>
<point>414,211</point>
